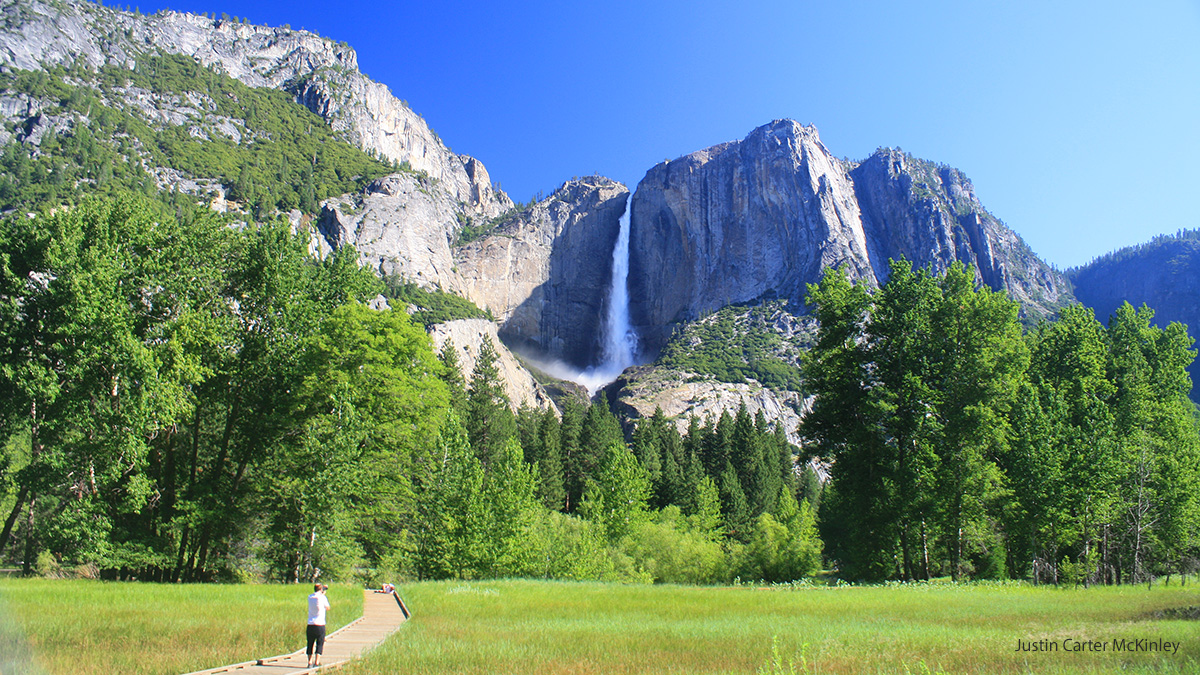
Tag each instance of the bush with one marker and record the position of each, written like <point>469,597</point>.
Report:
<point>735,344</point>
<point>669,552</point>
<point>783,551</point>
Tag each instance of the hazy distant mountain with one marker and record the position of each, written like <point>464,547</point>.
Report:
<point>1163,273</point>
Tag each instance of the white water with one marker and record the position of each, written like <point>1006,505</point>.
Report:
<point>619,350</point>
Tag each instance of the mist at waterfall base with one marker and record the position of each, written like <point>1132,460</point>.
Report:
<point>620,347</point>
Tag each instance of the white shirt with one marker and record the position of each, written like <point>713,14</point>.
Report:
<point>317,604</point>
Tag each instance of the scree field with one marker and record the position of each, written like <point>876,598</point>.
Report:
<point>544,627</point>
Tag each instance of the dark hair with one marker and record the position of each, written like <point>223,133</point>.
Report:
<point>317,587</point>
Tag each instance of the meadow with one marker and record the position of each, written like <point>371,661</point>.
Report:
<point>582,628</point>
<point>50,626</point>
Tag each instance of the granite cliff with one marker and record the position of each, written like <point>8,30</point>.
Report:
<point>737,223</point>
<point>542,271</point>
<point>761,217</point>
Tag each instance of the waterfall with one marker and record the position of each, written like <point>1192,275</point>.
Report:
<point>619,341</point>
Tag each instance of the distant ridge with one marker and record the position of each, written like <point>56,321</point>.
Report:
<point>1163,273</point>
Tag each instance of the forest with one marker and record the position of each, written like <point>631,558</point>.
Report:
<point>186,400</point>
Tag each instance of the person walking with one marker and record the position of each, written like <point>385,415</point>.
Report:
<point>317,604</point>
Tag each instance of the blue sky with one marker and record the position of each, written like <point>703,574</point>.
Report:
<point>1078,122</point>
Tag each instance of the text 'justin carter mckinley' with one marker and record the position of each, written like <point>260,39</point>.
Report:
<point>1117,645</point>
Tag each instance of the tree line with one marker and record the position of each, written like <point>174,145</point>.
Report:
<point>185,400</point>
<point>960,446</point>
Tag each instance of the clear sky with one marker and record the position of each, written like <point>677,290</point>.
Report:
<point>1078,122</point>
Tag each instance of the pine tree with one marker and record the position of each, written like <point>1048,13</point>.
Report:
<point>705,513</point>
<point>572,427</point>
<point>599,431</point>
<point>734,507</point>
<point>490,421</point>
<point>550,464</point>
<point>452,375</point>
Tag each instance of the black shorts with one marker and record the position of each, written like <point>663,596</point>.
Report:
<point>316,636</point>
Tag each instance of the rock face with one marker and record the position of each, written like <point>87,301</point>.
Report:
<point>929,214</point>
<point>398,225</point>
<point>322,75</point>
<point>763,216</point>
<point>545,273</point>
<point>1163,274</point>
<point>467,336</point>
<point>681,395</point>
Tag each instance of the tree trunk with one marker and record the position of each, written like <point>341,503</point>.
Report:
<point>177,575</point>
<point>924,551</point>
<point>12,517</point>
<point>27,564</point>
<point>904,547</point>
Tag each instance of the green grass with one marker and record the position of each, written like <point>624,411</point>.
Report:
<point>584,628</point>
<point>542,627</point>
<point>85,627</point>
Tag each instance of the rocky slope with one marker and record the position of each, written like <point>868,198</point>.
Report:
<point>763,216</point>
<point>542,272</point>
<point>1163,274</point>
<point>467,335</point>
<point>321,74</point>
<point>682,395</point>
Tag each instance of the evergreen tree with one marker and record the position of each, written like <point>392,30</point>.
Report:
<point>550,463</point>
<point>734,507</point>
<point>529,427</point>
<point>572,428</point>
<point>490,420</point>
<point>616,498</point>
<point>810,490</point>
<point>647,447</point>
<point>452,375</point>
<point>746,456</point>
<point>788,471</point>
<point>705,516</point>
<point>599,431</point>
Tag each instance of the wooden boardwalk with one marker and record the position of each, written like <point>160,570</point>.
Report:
<point>382,615</point>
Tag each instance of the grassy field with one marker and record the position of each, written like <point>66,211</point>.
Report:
<point>540,627</point>
<point>93,627</point>
<point>546,627</point>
